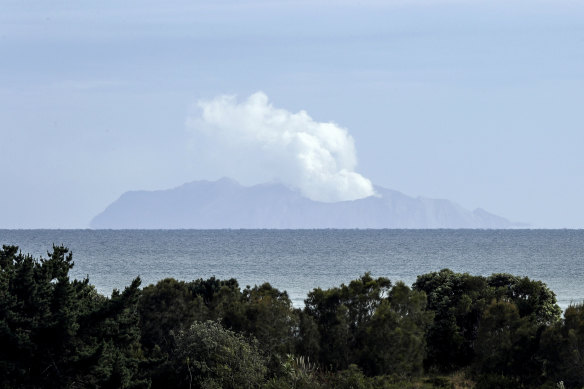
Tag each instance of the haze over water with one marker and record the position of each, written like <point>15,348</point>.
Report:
<point>299,260</point>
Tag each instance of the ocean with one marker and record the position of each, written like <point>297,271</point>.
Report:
<point>299,260</point>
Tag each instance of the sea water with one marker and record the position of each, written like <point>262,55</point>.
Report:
<point>299,260</point>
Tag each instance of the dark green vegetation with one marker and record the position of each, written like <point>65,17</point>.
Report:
<point>447,330</point>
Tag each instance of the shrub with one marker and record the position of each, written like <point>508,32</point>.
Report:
<point>210,356</point>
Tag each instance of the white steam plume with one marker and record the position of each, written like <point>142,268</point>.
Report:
<point>254,138</point>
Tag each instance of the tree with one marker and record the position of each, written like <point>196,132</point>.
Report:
<point>308,336</point>
<point>111,335</point>
<point>165,307</point>
<point>60,333</point>
<point>506,345</point>
<point>268,316</point>
<point>210,356</point>
<point>220,297</point>
<point>532,298</point>
<point>562,349</point>
<point>457,301</point>
<point>394,341</point>
<point>340,315</point>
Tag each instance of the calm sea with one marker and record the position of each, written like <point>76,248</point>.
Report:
<point>300,260</point>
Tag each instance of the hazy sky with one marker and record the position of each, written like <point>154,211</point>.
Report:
<point>479,102</point>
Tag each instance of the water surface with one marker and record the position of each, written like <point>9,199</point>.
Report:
<point>300,260</point>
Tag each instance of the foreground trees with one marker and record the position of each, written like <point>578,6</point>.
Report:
<point>563,348</point>
<point>502,330</point>
<point>494,322</point>
<point>370,324</point>
<point>56,332</point>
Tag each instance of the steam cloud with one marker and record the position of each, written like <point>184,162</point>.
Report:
<point>254,138</point>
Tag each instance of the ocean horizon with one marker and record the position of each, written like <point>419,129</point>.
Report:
<point>298,261</point>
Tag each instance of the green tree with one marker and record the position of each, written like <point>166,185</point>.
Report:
<point>170,305</point>
<point>308,336</point>
<point>210,356</point>
<point>562,349</point>
<point>457,301</point>
<point>268,316</point>
<point>506,345</point>
<point>340,315</point>
<point>220,297</point>
<point>394,341</point>
<point>60,333</point>
<point>111,335</point>
<point>533,299</point>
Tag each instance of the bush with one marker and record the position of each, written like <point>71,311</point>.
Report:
<point>210,356</point>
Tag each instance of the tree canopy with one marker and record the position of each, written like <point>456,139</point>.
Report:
<point>501,331</point>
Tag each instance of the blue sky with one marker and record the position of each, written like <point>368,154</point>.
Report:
<point>479,102</point>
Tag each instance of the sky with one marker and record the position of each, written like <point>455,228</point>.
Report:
<point>478,102</point>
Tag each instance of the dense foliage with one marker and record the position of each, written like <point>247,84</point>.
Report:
<point>447,330</point>
<point>55,332</point>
